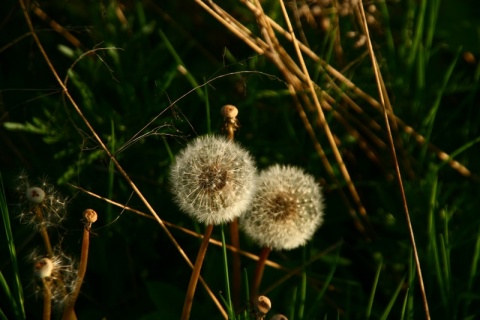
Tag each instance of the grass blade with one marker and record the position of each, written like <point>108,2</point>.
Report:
<point>392,301</point>
<point>228,302</point>
<point>374,288</point>
<point>16,297</point>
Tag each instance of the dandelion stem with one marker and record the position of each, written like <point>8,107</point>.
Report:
<point>257,277</point>
<point>230,125</point>
<point>47,299</point>
<point>68,313</point>
<point>187,306</point>
<point>236,264</point>
<point>43,232</point>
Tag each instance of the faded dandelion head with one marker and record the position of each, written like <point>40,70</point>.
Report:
<point>43,268</point>
<point>286,210</point>
<point>213,179</point>
<point>35,195</point>
<point>40,204</point>
<point>60,271</point>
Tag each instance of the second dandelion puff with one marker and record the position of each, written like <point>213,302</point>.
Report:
<point>286,210</point>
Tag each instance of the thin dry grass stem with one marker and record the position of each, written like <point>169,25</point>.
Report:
<point>346,120</point>
<point>460,168</point>
<point>323,157</point>
<point>322,119</point>
<point>56,26</point>
<point>231,25</point>
<point>192,285</point>
<point>107,151</point>
<point>185,230</point>
<point>393,124</point>
<point>394,155</point>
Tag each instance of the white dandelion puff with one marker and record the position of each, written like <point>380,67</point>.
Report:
<point>286,210</point>
<point>213,179</point>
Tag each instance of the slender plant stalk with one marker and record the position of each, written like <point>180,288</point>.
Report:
<point>43,232</point>
<point>82,268</point>
<point>236,264</point>
<point>47,299</point>
<point>230,125</point>
<point>258,275</point>
<point>397,168</point>
<point>192,285</point>
<point>231,310</point>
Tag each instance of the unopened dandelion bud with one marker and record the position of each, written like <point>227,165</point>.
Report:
<point>43,268</point>
<point>213,179</point>
<point>35,194</point>
<point>229,111</point>
<point>286,210</point>
<point>263,305</point>
<point>90,215</point>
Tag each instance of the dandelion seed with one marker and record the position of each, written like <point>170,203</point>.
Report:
<point>286,210</point>
<point>213,180</point>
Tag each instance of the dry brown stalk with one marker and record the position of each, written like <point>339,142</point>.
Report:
<point>185,230</point>
<point>460,168</point>
<point>192,285</point>
<point>384,102</point>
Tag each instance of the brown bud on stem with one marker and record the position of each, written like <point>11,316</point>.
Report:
<point>90,217</point>
<point>229,111</point>
<point>263,305</point>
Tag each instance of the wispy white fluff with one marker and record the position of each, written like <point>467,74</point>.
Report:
<point>213,179</point>
<point>286,210</point>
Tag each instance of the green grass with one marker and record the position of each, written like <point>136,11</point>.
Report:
<point>158,77</point>
<point>11,286</point>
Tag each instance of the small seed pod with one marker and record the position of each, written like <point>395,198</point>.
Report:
<point>90,215</point>
<point>263,305</point>
<point>229,111</point>
<point>43,268</point>
<point>35,194</point>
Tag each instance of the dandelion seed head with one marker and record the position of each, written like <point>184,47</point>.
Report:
<point>286,209</point>
<point>43,268</point>
<point>40,205</point>
<point>213,179</point>
<point>35,194</point>
<point>61,272</point>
